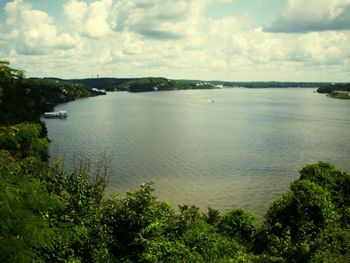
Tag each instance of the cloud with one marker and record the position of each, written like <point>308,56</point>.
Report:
<point>160,35</point>
<point>326,48</point>
<point>302,16</point>
<point>32,32</point>
<point>159,20</point>
<point>174,39</point>
<point>224,1</point>
<point>90,20</point>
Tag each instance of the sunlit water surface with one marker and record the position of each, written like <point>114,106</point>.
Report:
<point>220,148</point>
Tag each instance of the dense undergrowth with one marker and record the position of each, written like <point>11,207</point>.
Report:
<point>51,215</point>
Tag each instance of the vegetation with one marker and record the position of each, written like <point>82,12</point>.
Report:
<point>67,218</point>
<point>269,84</point>
<point>109,84</point>
<point>276,84</point>
<point>330,88</point>
<point>24,99</point>
<point>148,84</point>
<point>338,91</point>
<point>24,140</point>
<point>51,215</point>
<point>141,84</point>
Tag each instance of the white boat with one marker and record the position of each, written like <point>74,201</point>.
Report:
<point>56,114</point>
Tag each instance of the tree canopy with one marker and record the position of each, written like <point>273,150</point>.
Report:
<point>68,218</point>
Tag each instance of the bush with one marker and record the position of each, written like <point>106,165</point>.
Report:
<point>239,225</point>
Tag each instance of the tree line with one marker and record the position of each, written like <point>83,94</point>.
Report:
<point>24,99</point>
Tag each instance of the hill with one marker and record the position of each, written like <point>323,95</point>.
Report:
<point>153,83</point>
<point>26,99</point>
<point>142,84</point>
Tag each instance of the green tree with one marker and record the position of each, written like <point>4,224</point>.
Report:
<point>133,218</point>
<point>48,214</point>
<point>8,77</point>
<point>297,219</point>
<point>213,216</point>
<point>24,140</point>
<point>25,210</point>
<point>336,182</point>
<point>239,225</point>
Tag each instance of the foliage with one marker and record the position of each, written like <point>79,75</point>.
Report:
<point>141,84</point>
<point>24,140</point>
<point>49,215</point>
<point>9,77</point>
<point>152,84</point>
<point>25,206</point>
<point>109,84</point>
<point>24,99</point>
<point>129,218</point>
<point>68,218</point>
<point>310,222</point>
<point>239,225</point>
<point>270,84</point>
<point>147,84</point>
<point>336,182</point>
<point>213,216</point>
<point>334,87</point>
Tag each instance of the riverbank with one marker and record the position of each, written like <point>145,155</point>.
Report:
<point>337,91</point>
<point>339,94</point>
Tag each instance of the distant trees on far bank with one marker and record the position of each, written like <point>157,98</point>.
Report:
<point>331,88</point>
<point>339,91</point>
<point>23,99</point>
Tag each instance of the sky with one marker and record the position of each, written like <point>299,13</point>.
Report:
<point>230,40</point>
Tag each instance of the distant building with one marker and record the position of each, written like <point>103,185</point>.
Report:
<point>101,91</point>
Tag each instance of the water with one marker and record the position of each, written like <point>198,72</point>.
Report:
<point>220,148</point>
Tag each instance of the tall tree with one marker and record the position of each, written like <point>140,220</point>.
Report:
<point>8,77</point>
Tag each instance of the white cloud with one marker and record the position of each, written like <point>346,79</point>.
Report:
<point>162,20</point>
<point>313,15</point>
<point>91,20</point>
<point>224,1</point>
<point>33,31</point>
<point>135,38</point>
<point>330,48</point>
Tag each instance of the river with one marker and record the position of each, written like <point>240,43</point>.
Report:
<point>221,148</point>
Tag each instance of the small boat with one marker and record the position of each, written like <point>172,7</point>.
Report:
<point>56,114</point>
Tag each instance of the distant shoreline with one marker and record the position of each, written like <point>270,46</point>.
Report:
<point>336,91</point>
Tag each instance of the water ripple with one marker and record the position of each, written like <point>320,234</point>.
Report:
<point>242,150</point>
